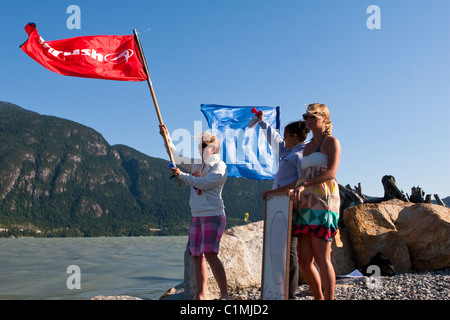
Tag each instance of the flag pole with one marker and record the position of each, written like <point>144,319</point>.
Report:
<point>155,102</point>
<point>152,92</point>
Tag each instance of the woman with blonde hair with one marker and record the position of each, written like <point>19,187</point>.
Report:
<point>316,202</point>
<point>206,179</point>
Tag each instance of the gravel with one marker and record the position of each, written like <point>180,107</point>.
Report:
<point>434,285</point>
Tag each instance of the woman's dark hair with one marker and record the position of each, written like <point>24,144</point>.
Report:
<point>299,128</point>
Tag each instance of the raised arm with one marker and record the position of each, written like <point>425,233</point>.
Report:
<point>184,162</point>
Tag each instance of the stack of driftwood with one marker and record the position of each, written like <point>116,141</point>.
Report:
<point>351,197</point>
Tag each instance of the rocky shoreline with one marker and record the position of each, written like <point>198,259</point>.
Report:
<point>434,285</point>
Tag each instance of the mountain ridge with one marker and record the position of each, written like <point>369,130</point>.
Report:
<point>61,178</point>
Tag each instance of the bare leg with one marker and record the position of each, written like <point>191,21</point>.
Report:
<point>322,256</point>
<point>306,264</point>
<point>218,272</point>
<point>201,276</point>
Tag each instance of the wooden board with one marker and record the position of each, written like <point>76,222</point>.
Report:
<point>276,247</point>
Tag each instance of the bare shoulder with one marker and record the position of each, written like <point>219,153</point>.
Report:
<point>331,143</point>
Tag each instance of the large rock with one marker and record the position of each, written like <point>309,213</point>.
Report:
<point>241,255</point>
<point>426,229</point>
<point>342,254</point>
<point>371,229</point>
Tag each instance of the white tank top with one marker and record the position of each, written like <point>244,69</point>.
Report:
<point>316,159</point>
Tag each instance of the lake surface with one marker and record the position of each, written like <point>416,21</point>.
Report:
<point>144,267</point>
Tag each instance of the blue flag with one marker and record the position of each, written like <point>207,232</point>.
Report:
<point>245,150</point>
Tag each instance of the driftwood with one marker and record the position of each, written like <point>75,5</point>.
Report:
<point>438,200</point>
<point>417,195</point>
<point>391,191</point>
<point>351,197</point>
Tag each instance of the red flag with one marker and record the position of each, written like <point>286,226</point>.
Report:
<point>100,57</point>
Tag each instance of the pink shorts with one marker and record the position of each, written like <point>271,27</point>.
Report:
<point>205,234</point>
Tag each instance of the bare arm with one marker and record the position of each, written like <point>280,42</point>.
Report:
<point>279,190</point>
<point>185,162</point>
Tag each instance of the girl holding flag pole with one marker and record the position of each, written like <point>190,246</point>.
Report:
<point>208,220</point>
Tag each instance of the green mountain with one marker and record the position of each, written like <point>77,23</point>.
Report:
<point>60,178</point>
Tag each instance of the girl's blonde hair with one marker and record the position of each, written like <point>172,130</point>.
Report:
<point>321,109</point>
<point>209,139</point>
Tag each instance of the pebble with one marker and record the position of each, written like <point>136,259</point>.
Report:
<point>431,285</point>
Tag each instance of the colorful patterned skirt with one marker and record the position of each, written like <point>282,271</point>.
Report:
<point>318,213</point>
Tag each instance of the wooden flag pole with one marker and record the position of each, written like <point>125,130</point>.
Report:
<point>155,102</point>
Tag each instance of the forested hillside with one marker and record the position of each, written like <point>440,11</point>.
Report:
<point>60,178</point>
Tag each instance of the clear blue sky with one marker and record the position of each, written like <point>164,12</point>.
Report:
<point>388,89</point>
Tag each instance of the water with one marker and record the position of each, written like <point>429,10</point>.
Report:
<point>144,267</point>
